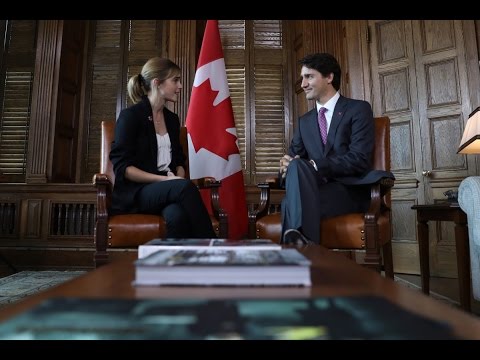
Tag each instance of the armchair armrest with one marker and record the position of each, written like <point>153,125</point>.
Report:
<point>104,194</point>
<point>103,185</point>
<point>386,185</point>
<point>378,191</point>
<point>261,210</point>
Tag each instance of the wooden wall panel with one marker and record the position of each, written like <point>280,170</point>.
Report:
<point>32,221</point>
<point>104,68</point>
<point>42,119</point>
<point>182,50</point>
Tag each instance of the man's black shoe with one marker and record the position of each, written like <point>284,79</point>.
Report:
<point>295,237</point>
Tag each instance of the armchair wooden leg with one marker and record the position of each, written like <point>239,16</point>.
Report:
<point>100,258</point>
<point>373,259</point>
<point>222,225</point>
<point>100,238</point>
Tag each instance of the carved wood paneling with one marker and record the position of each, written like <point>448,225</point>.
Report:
<point>401,149</point>
<point>395,88</point>
<point>47,215</point>
<point>391,41</point>
<point>444,150</point>
<point>428,109</point>
<point>72,219</point>
<point>182,51</point>
<point>43,108</point>
<point>444,104</point>
<point>437,35</point>
<point>9,217</point>
<point>442,83</point>
<point>403,218</point>
<point>32,223</point>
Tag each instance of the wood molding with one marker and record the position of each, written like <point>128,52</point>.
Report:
<point>182,50</point>
<point>42,120</point>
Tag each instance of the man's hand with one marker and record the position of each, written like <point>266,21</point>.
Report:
<point>284,162</point>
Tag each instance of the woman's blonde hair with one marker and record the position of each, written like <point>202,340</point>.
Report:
<point>157,67</point>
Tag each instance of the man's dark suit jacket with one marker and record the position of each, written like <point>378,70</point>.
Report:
<point>136,144</point>
<point>347,155</point>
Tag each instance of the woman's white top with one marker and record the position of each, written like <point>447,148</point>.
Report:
<point>164,156</point>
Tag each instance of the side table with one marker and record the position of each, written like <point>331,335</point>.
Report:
<point>445,212</point>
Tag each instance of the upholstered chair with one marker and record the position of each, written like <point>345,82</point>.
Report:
<point>368,232</point>
<point>131,230</point>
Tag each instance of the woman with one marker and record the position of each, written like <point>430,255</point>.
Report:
<point>147,158</point>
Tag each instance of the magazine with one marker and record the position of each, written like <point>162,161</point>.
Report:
<point>162,244</point>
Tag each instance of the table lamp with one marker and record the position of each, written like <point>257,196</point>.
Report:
<point>470,143</point>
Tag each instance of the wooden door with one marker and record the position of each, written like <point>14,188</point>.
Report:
<point>422,80</point>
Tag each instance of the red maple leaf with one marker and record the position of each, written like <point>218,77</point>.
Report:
<point>207,124</point>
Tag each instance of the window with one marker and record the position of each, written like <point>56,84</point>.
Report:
<point>16,80</point>
<point>256,70</point>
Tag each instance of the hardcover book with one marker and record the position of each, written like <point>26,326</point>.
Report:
<point>210,266</point>
<point>162,244</point>
<point>361,317</point>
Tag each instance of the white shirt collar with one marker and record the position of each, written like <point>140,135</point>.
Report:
<point>330,104</point>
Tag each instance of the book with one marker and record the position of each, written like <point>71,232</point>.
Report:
<point>356,317</point>
<point>210,266</point>
<point>161,244</point>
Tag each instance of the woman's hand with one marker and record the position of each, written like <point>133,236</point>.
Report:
<point>171,176</point>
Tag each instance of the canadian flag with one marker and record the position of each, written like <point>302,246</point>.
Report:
<point>212,136</point>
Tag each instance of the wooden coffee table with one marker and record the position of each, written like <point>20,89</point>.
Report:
<point>332,275</point>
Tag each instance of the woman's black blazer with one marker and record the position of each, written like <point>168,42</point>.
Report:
<point>135,144</point>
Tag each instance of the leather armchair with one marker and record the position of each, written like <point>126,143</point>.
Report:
<point>131,230</point>
<point>368,232</point>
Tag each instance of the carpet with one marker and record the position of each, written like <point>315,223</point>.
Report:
<point>25,283</point>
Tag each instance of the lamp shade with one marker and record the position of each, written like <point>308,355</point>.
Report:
<point>470,143</point>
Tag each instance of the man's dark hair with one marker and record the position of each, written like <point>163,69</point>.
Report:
<point>325,64</point>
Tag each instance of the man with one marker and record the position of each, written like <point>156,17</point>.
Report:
<point>329,156</point>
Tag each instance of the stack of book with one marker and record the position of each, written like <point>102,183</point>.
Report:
<point>223,266</point>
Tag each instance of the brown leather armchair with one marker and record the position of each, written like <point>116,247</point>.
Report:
<point>131,230</point>
<point>368,231</point>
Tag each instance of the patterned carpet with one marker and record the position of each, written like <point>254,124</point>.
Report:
<point>25,283</point>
